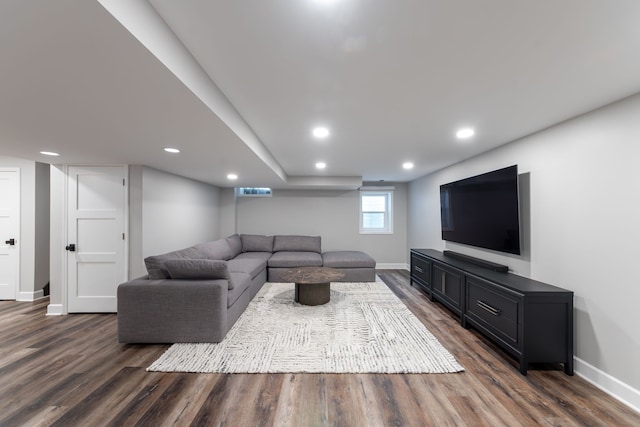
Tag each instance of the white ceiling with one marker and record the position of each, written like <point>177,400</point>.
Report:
<point>238,85</point>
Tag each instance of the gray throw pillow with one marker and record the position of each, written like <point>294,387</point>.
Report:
<point>256,243</point>
<point>156,264</point>
<point>198,269</point>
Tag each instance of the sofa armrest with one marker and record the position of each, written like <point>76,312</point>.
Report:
<point>170,311</point>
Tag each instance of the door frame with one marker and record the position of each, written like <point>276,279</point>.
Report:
<point>18,235</point>
<point>59,275</point>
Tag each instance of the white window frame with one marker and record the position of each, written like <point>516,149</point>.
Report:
<point>387,192</point>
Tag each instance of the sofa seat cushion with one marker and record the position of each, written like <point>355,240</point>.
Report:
<point>250,266</point>
<point>156,264</point>
<point>197,269</point>
<point>297,244</point>
<point>216,249</point>
<point>347,259</point>
<point>241,282</point>
<point>286,259</point>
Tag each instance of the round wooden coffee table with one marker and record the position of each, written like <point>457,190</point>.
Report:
<point>312,283</point>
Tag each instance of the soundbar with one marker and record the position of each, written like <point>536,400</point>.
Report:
<point>477,261</point>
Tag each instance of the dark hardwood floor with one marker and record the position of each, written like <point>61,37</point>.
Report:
<point>70,371</point>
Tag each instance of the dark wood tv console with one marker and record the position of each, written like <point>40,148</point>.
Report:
<point>531,320</point>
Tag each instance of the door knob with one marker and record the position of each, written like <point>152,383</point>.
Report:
<point>71,247</point>
<point>11,242</point>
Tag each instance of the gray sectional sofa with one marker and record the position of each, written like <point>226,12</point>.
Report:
<point>196,294</point>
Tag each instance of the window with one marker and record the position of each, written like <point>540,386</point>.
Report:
<point>376,211</point>
<point>253,192</point>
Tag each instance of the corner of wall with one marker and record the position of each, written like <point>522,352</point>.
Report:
<point>136,261</point>
<point>55,310</point>
<point>30,296</point>
<point>609,384</point>
<point>57,237</point>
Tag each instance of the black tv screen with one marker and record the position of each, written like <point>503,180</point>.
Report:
<point>483,211</point>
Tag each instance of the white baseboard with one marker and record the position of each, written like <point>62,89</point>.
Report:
<point>30,296</point>
<point>610,385</point>
<point>55,310</point>
<point>391,266</point>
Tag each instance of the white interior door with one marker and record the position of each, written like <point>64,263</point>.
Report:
<point>96,251</point>
<point>9,232</point>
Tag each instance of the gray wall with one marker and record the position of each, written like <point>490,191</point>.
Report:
<point>580,208</point>
<point>330,214</point>
<point>168,212</point>
<point>42,225</point>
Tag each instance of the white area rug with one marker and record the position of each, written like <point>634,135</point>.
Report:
<point>365,328</point>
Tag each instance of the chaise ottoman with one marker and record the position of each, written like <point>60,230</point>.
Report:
<point>357,266</point>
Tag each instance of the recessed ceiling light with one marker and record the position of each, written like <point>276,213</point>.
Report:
<point>465,133</point>
<point>407,165</point>
<point>320,132</point>
<point>171,150</point>
<point>49,153</point>
<point>321,165</point>
<point>232,176</point>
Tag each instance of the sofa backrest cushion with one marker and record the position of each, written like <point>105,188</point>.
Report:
<point>235,244</point>
<point>156,264</point>
<point>198,269</point>
<point>297,244</point>
<point>256,243</point>
<point>216,249</point>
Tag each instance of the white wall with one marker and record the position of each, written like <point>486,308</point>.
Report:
<point>168,212</point>
<point>57,240</point>
<point>227,212</point>
<point>581,210</point>
<point>333,215</point>
<point>33,259</point>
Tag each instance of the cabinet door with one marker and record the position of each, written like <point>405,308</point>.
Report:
<point>447,286</point>
<point>421,272</point>
<point>495,309</point>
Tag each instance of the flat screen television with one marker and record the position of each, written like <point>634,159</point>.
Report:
<point>483,211</point>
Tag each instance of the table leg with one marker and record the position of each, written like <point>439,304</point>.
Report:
<point>314,294</point>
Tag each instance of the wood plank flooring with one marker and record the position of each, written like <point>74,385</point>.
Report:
<point>70,371</point>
